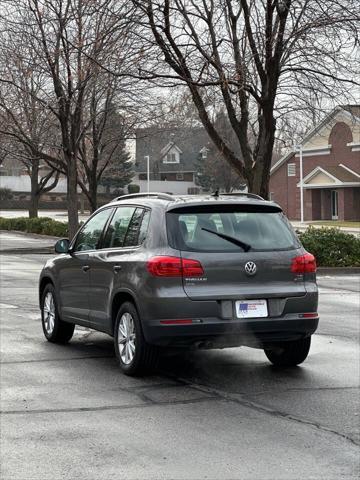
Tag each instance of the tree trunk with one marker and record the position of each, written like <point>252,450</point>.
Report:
<point>72,197</point>
<point>93,193</point>
<point>258,181</point>
<point>34,206</point>
<point>34,195</point>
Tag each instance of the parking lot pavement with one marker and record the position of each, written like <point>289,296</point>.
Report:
<point>68,412</point>
<point>12,242</point>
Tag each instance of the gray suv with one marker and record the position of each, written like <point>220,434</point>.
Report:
<point>156,270</point>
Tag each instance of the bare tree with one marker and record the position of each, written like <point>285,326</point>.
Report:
<point>110,122</point>
<point>257,59</point>
<point>69,38</point>
<point>26,126</point>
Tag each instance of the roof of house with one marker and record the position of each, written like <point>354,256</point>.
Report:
<point>342,174</point>
<point>156,142</point>
<point>338,175</point>
<point>354,110</point>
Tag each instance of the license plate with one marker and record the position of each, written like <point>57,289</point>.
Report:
<point>251,308</point>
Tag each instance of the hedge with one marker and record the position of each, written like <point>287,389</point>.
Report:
<point>331,246</point>
<point>41,225</point>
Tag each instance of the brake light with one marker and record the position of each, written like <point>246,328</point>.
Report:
<point>192,268</point>
<point>304,264</point>
<point>174,267</point>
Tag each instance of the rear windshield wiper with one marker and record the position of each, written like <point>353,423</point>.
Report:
<point>245,246</point>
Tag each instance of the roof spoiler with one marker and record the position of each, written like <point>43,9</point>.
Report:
<point>161,196</point>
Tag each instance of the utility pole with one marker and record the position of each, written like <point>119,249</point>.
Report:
<point>299,148</point>
<point>147,159</point>
<point>301,186</point>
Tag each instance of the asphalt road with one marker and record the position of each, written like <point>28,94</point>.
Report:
<point>68,412</point>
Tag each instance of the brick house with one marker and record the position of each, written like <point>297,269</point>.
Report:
<point>331,170</point>
<point>173,154</point>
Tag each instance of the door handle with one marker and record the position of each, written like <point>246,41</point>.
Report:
<point>117,268</point>
<point>85,268</point>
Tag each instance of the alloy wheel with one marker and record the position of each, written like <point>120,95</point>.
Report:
<point>126,338</point>
<point>49,313</point>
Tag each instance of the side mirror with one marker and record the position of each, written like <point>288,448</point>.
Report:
<point>62,246</point>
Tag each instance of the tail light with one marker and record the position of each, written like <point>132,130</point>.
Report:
<point>304,264</point>
<point>174,267</point>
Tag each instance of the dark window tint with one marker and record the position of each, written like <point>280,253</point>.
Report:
<point>116,232</point>
<point>89,236</point>
<point>196,231</point>
<point>144,226</point>
<point>132,235</point>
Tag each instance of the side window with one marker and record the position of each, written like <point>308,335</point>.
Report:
<point>89,236</point>
<point>116,232</point>
<point>144,227</point>
<point>132,235</point>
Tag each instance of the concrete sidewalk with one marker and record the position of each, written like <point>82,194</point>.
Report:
<point>58,215</point>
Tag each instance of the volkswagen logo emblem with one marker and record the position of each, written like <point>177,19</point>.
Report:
<point>250,268</point>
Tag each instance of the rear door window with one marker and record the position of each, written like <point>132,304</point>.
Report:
<point>132,236</point>
<point>118,227</point>
<point>127,228</point>
<point>261,230</point>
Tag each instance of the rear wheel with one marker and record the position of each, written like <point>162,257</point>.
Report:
<point>55,330</point>
<point>134,354</point>
<point>289,354</point>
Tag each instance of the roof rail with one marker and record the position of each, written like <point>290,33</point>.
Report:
<point>162,196</point>
<point>245,194</point>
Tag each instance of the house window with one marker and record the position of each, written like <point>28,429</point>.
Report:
<point>291,169</point>
<point>172,157</point>
<point>179,176</point>
<point>204,153</point>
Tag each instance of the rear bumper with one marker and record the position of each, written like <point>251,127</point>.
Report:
<point>219,333</point>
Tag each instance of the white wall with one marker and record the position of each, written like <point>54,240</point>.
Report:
<point>22,184</point>
<point>165,186</point>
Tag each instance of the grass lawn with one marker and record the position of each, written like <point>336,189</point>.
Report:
<point>336,223</point>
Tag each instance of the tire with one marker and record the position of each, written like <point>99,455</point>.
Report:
<point>289,354</point>
<point>134,354</point>
<point>55,330</point>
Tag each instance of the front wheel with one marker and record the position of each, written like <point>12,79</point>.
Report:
<point>134,354</point>
<point>288,354</point>
<point>55,330</point>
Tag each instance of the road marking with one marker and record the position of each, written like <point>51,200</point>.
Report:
<point>7,305</point>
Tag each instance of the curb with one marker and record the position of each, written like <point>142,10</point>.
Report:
<point>338,271</point>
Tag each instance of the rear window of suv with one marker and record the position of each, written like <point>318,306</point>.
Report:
<point>204,230</point>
